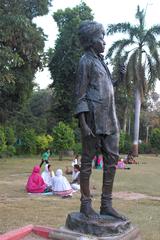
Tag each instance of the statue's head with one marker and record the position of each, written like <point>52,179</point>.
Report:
<point>89,32</point>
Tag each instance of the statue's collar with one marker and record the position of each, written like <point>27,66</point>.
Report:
<point>92,52</point>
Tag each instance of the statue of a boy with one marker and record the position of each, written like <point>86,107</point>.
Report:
<point>95,109</point>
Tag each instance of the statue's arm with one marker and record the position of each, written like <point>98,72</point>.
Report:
<point>83,79</point>
<point>84,126</point>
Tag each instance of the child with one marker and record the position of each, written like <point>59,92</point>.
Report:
<point>45,157</point>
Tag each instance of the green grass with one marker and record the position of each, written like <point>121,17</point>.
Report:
<point>17,208</point>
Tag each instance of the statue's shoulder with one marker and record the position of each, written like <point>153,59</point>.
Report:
<point>86,58</point>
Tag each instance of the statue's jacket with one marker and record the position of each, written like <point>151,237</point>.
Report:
<point>95,94</point>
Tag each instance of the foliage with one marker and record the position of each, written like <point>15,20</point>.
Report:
<point>28,142</point>
<point>155,139</point>
<point>77,148</point>
<point>3,145</point>
<point>21,52</point>
<point>29,8</point>
<point>63,138</point>
<point>9,152</point>
<point>145,148</point>
<point>10,135</point>
<point>139,52</point>
<point>65,57</point>
<point>34,114</point>
<point>125,143</point>
<point>43,142</point>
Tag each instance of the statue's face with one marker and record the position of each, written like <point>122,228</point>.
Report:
<point>99,44</point>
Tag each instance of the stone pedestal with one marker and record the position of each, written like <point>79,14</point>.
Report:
<point>65,234</point>
<point>103,226</point>
<point>79,227</point>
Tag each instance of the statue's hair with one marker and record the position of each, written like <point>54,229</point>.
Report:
<point>88,32</point>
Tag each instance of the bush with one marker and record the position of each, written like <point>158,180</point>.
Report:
<point>9,151</point>
<point>28,144</point>
<point>124,143</point>
<point>77,148</point>
<point>10,136</point>
<point>63,138</point>
<point>145,148</point>
<point>3,145</point>
<point>155,139</point>
<point>43,142</point>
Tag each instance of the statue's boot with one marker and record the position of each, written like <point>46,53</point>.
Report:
<point>86,202</point>
<point>106,197</point>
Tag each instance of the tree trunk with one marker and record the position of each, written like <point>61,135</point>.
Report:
<point>60,155</point>
<point>147,133</point>
<point>125,119</point>
<point>137,110</point>
<point>129,125</point>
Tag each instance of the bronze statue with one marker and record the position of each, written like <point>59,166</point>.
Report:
<point>95,109</point>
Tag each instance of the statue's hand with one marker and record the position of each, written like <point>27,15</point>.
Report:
<point>87,131</point>
<point>84,126</point>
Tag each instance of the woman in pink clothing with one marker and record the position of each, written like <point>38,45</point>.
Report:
<point>35,182</point>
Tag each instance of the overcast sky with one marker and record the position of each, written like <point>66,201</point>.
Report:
<point>105,12</point>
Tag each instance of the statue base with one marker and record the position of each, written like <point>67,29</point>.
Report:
<point>63,233</point>
<point>79,227</point>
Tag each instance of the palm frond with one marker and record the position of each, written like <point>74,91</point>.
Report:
<point>155,30</point>
<point>118,28</point>
<point>119,46</point>
<point>151,73</point>
<point>130,70</point>
<point>124,44</point>
<point>152,46</point>
<point>111,50</point>
<point>134,31</point>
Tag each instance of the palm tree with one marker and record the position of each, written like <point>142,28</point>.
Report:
<point>139,52</point>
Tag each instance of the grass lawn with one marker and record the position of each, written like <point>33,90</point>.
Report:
<point>17,208</point>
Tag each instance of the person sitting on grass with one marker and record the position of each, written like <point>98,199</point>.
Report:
<point>75,184</point>
<point>129,159</point>
<point>60,185</point>
<point>47,175</point>
<point>121,164</point>
<point>35,183</point>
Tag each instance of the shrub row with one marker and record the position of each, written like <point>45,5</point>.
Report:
<point>62,139</point>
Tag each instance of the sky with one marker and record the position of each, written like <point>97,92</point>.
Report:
<point>105,12</point>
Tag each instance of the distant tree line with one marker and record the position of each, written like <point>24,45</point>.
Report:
<point>32,119</point>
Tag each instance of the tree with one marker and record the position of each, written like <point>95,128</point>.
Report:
<point>21,51</point>
<point>35,114</point>
<point>63,138</point>
<point>140,54</point>
<point>155,139</point>
<point>63,62</point>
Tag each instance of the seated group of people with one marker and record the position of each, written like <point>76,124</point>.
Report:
<point>121,164</point>
<point>50,182</point>
<point>129,159</point>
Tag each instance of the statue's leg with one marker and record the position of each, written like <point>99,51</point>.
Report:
<point>110,155</point>
<point>88,152</point>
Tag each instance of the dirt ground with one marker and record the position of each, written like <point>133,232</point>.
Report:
<point>133,196</point>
